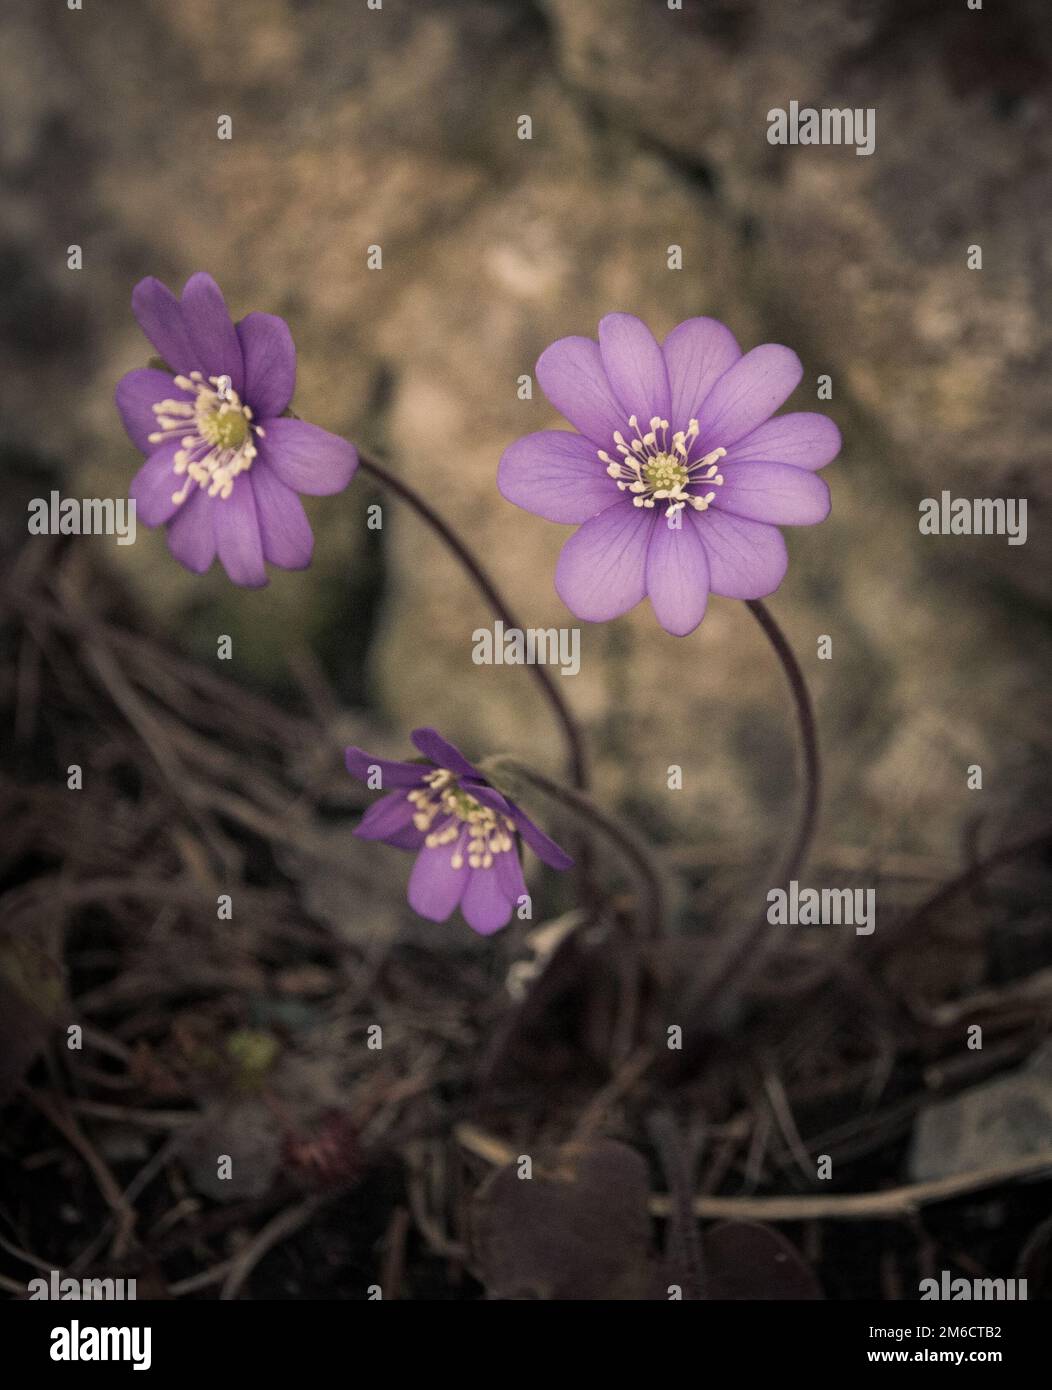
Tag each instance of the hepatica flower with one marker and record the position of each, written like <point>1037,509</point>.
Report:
<point>223,470</point>
<point>678,476</point>
<point>465,833</point>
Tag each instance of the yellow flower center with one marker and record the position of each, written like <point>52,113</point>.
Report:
<point>665,473</point>
<point>655,467</point>
<point>224,427</point>
<point>443,799</point>
<point>215,433</point>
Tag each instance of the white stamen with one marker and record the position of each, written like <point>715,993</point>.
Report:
<point>488,832</point>
<point>215,434</point>
<point>656,468</point>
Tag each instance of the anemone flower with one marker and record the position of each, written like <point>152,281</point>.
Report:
<point>464,831</point>
<point>223,468</point>
<point>677,476</point>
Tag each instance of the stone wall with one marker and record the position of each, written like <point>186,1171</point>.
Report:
<point>398,127</point>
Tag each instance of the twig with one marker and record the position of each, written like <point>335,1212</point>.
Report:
<point>148,1119</point>
<point>974,874</point>
<point>107,1184</point>
<point>683,1228</point>
<point>285,1224</point>
<point>204,1280</point>
<point>392,1270</point>
<point>858,1206</point>
<point>33,1260</point>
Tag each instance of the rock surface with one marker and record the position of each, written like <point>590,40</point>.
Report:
<point>398,127</point>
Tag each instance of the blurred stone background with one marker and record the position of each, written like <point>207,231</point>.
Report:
<point>398,126</point>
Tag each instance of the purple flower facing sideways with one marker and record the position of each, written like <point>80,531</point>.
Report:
<point>678,476</point>
<point>223,470</point>
<point>466,833</point>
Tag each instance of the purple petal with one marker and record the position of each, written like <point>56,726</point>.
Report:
<point>212,334</point>
<point>306,458</point>
<point>773,492</point>
<point>746,558</point>
<point>557,475</point>
<point>283,526</point>
<point>804,439</point>
<point>160,317</point>
<point>546,850</point>
<point>509,875</point>
<point>601,570</point>
<point>441,752</point>
<point>485,907</point>
<point>137,393</point>
<point>488,796</point>
<point>386,817</point>
<point>270,363</point>
<point>154,485</point>
<point>237,536</point>
<point>191,533</point>
<point>435,887</point>
<point>570,374</point>
<point>677,575</point>
<point>392,774</point>
<point>409,838</point>
<point>635,367</point>
<point>697,353</point>
<point>747,394</point>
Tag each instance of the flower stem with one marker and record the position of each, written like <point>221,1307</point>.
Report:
<point>747,953</point>
<point>507,773</point>
<point>577,761</point>
<point>805,715</point>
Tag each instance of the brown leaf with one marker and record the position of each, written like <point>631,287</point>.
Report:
<point>745,1260</point>
<point>577,1229</point>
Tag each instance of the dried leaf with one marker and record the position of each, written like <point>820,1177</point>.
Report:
<point>747,1261</point>
<point>576,1229</point>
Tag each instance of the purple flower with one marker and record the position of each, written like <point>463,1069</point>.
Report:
<point>678,476</point>
<point>466,833</point>
<point>223,470</point>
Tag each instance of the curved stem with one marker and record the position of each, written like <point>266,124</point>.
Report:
<point>805,714</point>
<point>737,965</point>
<point>650,893</point>
<point>577,761</point>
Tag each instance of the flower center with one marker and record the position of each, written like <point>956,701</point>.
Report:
<point>665,472</point>
<point>215,431</point>
<point>460,816</point>
<point>227,428</point>
<point>655,467</point>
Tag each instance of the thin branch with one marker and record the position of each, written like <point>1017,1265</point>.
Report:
<point>285,1224</point>
<point>856,1206</point>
